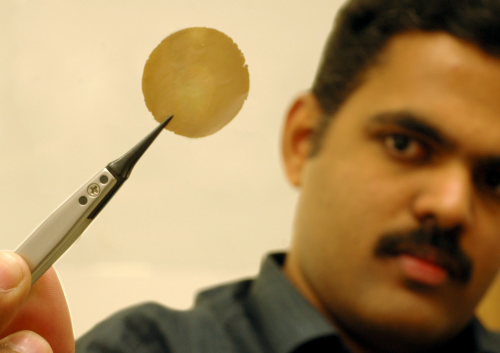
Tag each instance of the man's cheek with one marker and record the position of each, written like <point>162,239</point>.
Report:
<point>486,262</point>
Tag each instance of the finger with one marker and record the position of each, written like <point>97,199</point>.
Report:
<point>46,313</point>
<point>15,280</point>
<point>24,342</point>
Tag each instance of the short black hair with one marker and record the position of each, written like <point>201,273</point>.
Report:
<point>363,27</point>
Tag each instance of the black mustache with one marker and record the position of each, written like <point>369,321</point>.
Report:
<point>433,243</point>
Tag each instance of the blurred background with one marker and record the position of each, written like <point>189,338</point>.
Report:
<point>194,212</point>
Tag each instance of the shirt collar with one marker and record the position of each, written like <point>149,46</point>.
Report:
<point>286,318</point>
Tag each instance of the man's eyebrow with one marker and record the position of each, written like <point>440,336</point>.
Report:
<point>413,122</point>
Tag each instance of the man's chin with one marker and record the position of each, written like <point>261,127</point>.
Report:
<point>410,315</point>
<point>406,332</point>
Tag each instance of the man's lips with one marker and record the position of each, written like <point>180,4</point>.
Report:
<point>422,271</point>
<point>429,253</point>
<point>426,264</point>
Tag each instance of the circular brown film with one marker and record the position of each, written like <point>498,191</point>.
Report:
<point>199,75</point>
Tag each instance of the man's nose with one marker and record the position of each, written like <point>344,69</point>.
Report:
<point>446,196</point>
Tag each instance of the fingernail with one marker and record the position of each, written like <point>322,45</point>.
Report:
<point>11,273</point>
<point>27,343</point>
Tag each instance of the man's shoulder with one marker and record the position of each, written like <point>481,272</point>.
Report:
<point>494,338</point>
<point>216,317</point>
<point>488,341</point>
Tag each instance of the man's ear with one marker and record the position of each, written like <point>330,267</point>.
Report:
<point>300,124</point>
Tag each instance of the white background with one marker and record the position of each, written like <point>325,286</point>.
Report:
<point>194,212</point>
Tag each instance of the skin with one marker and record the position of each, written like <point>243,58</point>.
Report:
<point>34,319</point>
<point>362,186</point>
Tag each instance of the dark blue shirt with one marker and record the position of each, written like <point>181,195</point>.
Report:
<point>266,314</point>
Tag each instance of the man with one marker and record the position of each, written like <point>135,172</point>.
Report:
<point>396,152</point>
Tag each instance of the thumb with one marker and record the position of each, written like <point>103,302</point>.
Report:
<point>24,342</point>
<point>14,286</point>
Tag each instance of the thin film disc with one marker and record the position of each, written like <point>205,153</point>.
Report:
<point>199,75</point>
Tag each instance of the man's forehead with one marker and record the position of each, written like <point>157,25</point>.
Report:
<point>438,54</point>
<point>452,83</point>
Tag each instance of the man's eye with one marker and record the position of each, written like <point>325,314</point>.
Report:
<point>492,180</point>
<point>405,147</point>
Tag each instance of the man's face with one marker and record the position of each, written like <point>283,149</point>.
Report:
<point>416,146</point>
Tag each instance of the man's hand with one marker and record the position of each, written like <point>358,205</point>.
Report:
<point>35,320</point>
